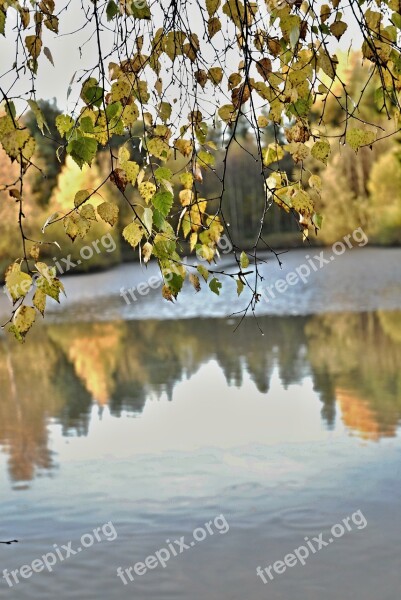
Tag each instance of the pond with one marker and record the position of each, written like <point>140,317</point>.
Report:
<point>150,423</point>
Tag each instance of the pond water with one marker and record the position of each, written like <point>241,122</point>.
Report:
<point>159,418</point>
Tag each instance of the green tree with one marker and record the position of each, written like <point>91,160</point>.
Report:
<point>385,198</point>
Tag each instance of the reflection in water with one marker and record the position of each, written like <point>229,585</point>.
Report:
<point>62,369</point>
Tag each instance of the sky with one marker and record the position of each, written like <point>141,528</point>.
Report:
<point>69,59</point>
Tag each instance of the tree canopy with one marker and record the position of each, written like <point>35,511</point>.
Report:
<point>162,88</point>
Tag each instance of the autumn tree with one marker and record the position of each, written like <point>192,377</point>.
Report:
<point>176,69</point>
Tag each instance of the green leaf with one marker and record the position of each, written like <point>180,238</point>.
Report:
<point>86,125</point>
<point>215,286</point>
<point>240,287</point>
<point>175,283</point>
<point>163,201</point>
<point>163,173</point>
<point>140,12</point>
<point>158,220</point>
<point>111,10</point>
<point>91,93</point>
<point>163,246</point>
<point>82,150</point>
<point>113,110</point>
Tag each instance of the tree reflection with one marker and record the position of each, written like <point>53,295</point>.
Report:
<point>62,370</point>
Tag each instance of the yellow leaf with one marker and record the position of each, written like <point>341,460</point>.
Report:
<point>212,6</point>
<point>147,189</point>
<point>147,250</point>
<point>34,45</point>
<point>39,301</point>
<point>273,153</point>
<point>213,26</point>
<point>215,75</point>
<point>338,28</point>
<point>133,234</point>
<point>49,273</point>
<point>81,197</point>
<point>356,138</point>
<point>227,113</point>
<point>194,279</point>
<point>244,260</point>
<point>23,319</point>
<point>17,282</point>
<point>187,180</point>
<point>88,212</point>
<point>186,197</point>
<point>263,121</point>
<point>159,148</point>
<point>18,141</point>
<point>203,271</point>
<point>315,182</point>
<point>184,146</point>
<point>130,114</point>
<point>35,251</point>
<point>76,225</point>
<point>123,154</point>
<point>320,151</point>
<point>120,89</point>
<point>131,169</point>
<point>193,238</point>
<point>108,212</point>
<point>298,150</point>
<point>302,202</point>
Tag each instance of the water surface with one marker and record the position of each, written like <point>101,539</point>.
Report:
<point>158,423</point>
